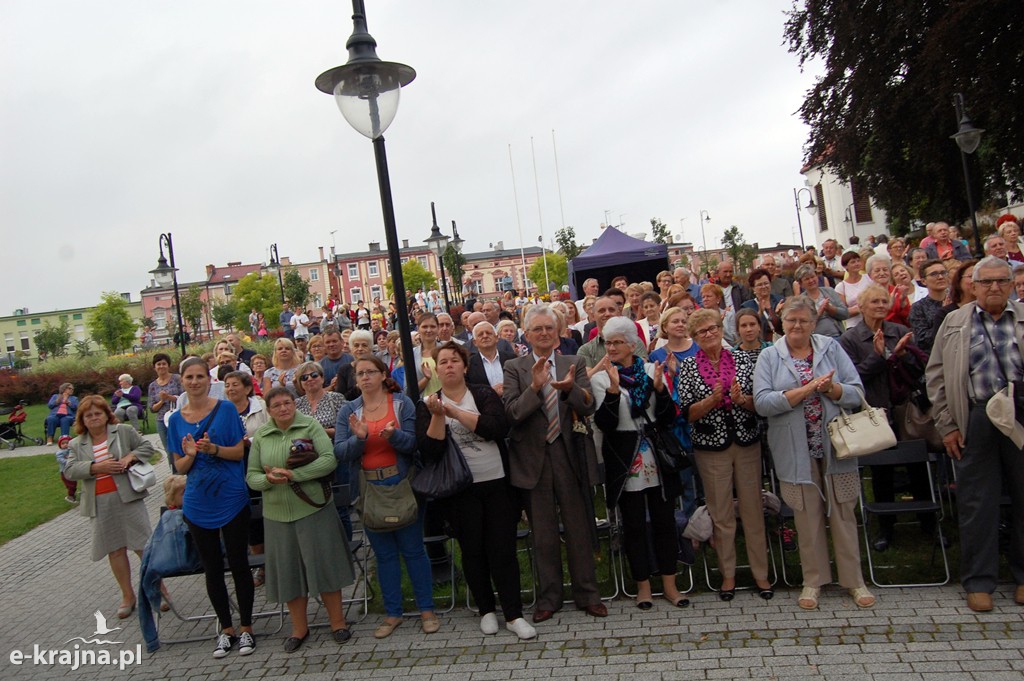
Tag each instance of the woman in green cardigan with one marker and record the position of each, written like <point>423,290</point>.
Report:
<point>306,551</point>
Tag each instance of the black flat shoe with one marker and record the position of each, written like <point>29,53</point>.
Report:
<point>293,643</point>
<point>645,605</point>
<point>341,635</point>
<point>727,594</point>
<point>681,603</point>
<point>766,594</point>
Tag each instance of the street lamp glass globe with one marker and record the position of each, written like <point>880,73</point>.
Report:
<point>367,97</point>
<point>968,137</point>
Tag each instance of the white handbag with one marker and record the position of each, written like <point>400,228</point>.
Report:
<point>862,433</point>
<point>141,475</point>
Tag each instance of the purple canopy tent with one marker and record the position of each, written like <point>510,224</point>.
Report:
<point>615,253</point>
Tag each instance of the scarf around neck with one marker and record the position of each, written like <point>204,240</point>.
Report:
<point>635,380</point>
<point>725,374</point>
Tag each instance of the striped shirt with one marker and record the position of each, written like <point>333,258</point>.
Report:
<point>104,482</point>
<point>995,358</point>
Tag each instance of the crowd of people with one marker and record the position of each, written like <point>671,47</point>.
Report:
<point>545,401</point>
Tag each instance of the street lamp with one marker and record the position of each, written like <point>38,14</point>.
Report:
<point>275,266</point>
<point>704,217</point>
<point>848,217</point>
<point>366,90</point>
<point>812,208</point>
<point>438,244</point>
<point>967,137</point>
<point>168,274</point>
<point>458,243</point>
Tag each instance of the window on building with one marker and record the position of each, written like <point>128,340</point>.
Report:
<point>373,268</point>
<point>318,302</point>
<point>819,195</point>
<point>24,340</point>
<point>505,284</point>
<point>423,261</point>
<point>36,322</point>
<point>353,270</point>
<point>80,332</point>
<point>475,287</point>
<point>861,204</point>
<point>404,260</point>
<point>63,318</point>
<point>376,292</point>
<point>355,294</point>
<point>314,274</point>
<point>76,316</point>
<point>9,342</point>
<point>22,322</point>
<point>159,318</point>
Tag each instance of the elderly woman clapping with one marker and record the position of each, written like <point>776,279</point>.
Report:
<point>800,383</point>
<point>626,388</point>
<point>715,387</point>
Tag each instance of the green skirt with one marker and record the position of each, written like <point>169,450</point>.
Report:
<point>307,556</point>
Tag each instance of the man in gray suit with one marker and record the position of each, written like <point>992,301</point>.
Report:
<point>542,390</point>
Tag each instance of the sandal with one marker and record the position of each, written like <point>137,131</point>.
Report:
<point>862,598</point>
<point>259,577</point>
<point>809,598</point>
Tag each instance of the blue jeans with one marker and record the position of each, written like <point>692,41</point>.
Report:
<point>161,430</point>
<point>52,422</point>
<point>407,542</point>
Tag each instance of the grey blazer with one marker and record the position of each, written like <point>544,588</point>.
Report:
<point>122,440</point>
<point>525,410</point>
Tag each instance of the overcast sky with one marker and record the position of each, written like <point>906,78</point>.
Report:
<point>123,119</point>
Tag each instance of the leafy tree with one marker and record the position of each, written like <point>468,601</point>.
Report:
<point>566,240</point>
<point>224,314</point>
<point>415,275</point>
<point>192,308</point>
<point>454,265</point>
<point>296,290</point>
<point>881,114</point>
<point>82,349</point>
<point>660,233</point>
<point>684,261</point>
<point>52,341</point>
<point>148,324</point>
<point>110,325</point>
<point>262,293</point>
<point>558,270</point>
<point>740,252</point>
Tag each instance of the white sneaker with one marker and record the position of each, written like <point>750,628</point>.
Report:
<point>246,644</point>
<point>521,628</point>
<point>489,624</point>
<point>224,644</point>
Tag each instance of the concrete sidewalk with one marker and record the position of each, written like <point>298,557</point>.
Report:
<point>49,590</point>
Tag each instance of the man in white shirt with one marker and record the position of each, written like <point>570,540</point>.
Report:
<point>832,258</point>
<point>486,364</point>
<point>300,324</point>
<point>590,288</point>
<point>446,329</point>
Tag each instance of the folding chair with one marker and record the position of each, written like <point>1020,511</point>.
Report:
<point>360,549</point>
<point>906,452</point>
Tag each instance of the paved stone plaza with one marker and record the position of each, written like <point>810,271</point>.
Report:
<point>49,590</point>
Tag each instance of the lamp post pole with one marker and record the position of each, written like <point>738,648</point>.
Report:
<point>704,217</point>
<point>275,263</point>
<point>457,242</point>
<point>366,90</point>
<point>967,137</point>
<point>811,208</point>
<point>848,217</point>
<point>438,243</point>
<point>163,269</point>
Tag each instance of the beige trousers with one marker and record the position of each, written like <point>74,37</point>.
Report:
<point>736,468</point>
<point>809,511</point>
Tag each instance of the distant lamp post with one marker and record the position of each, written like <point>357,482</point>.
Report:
<point>366,90</point>
<point>848,217</point>
<point>167,274</point>
<point>811,207</point>
<point>704,217</point>
<point>458,243</point>
<point>967,137</point>
<point>275,266</point>
<point>438,244</point>
<point>544,257</point>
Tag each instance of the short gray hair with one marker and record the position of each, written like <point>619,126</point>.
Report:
<point>485,324</point>
<point>361,334</point>
<point>543,309</point>
<point>125,377</point>
<point>877,259</point>
<point>799,303</point>
<point>991,262</point>
<point>620,326</point>
<point>804,271</point>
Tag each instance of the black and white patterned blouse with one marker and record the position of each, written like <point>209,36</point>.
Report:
<point>726,423</point>
<point>326,409</point>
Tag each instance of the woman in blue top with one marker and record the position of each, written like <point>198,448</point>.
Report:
<point>205,437</point>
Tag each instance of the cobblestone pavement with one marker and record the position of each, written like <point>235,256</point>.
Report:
<point>49,588</point>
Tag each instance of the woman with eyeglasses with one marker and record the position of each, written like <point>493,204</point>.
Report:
<point>832,311</point>
<point>961,291</point>
<point>765,304</point>
<point>360,344</point>
<point>715,387</point>
<point>376,435</point>
<point>800,384</point>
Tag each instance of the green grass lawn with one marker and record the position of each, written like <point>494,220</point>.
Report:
<point>35,494</point>
<point>37,413</point>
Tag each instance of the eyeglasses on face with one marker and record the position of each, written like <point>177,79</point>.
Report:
<point>309,376</point>
<point>991,283</point>
<point>367,372</point>
<point>708,330</point>
<point>796,322</point>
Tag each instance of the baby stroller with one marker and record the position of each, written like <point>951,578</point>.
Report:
<point>10,429</point>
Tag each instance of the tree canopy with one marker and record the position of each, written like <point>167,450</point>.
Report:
<point>192,308</point>
<point>881,115</point>
<point>558,270</point>
<point>415,276</point>
<point>52,341</point>
<point>454,265</point>
<point>296,290</point>
<point>660,233</point>
<point>110,324</point>
<point>260,293</point>
<point>740,252</point>
<point>566,240</point>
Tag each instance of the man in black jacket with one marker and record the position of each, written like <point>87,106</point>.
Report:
<point>487,361</point>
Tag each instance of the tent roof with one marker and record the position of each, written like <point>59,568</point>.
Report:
<point>613,247</point>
